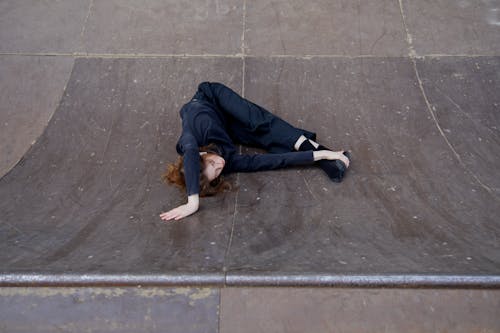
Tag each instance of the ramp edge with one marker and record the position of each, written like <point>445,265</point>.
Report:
<point>253,280</point>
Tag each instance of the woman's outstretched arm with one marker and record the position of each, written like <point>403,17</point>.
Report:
<point>183,210</point>
<point>187,147</point>
<point>263,162</point>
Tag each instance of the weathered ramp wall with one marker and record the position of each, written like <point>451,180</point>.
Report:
<point>422,196</point>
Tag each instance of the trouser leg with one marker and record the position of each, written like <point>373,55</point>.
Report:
<point>251,124</point>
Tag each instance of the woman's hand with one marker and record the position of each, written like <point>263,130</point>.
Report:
<point>331,155</point>
<point>183,210</point>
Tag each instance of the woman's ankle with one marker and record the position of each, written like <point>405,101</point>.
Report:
<point>299,142</point>
<point>314,143</point>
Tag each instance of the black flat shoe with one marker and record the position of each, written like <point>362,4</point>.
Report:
<point>342,168</point>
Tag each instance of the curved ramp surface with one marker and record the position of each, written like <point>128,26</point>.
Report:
<point>421,198</point>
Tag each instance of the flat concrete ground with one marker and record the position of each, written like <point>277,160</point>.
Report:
<point>228,310</point>
<point>89,99</point>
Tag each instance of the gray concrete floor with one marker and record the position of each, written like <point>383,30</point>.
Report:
<point>410,87</point>
<point>247,310</point>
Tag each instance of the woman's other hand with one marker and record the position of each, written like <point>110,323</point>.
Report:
<point>331,155</point>
<point>183,210</point>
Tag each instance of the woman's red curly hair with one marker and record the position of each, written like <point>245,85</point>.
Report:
<point>175,175</point>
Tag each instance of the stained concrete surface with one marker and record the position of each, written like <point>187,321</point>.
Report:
<point>408,206</point>
<point>464,98</point>
<point>109,310</point>
<point>408,86</point>
<point>247,310</point>
<point>422,211</point>
<point>124,27</point>
<point>109,141</point>
<point>352,310</point>
<point>30,90</point>
<point>159,27</point>
<point>42,26</point>
<point>363,28</point>
<point>448,27</point>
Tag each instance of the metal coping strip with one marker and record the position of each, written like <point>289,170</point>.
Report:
<point>252,280</point>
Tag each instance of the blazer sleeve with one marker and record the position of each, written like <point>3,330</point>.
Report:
<point>188,148</point>
<point>262,162</point>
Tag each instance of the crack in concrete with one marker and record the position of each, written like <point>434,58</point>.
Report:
<point>438,55</point>
<point>233,222</point>
<point>235,213</point>
<point>378,39</point>
<point>360,42</point>
<point>243,69</point>
<point>465,114</point>
<point>236,55</point>
<point>413,58</point>
<point>408,37</point>
<point>279,27</point>
<point>82,33</point>
<point>457,156</point>
<point>309,188</point>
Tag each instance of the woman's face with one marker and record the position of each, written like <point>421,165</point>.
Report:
<point>212,165</point>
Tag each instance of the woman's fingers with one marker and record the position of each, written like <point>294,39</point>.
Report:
<point>339,155</point>
<point>344,159</point>
<point>171,214</point>
<point>168,215</point>
<point>178,213</point>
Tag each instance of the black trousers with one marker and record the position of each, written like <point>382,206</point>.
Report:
<point>248,123</point>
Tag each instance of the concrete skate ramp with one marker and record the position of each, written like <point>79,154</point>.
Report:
<point>419,206</point>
